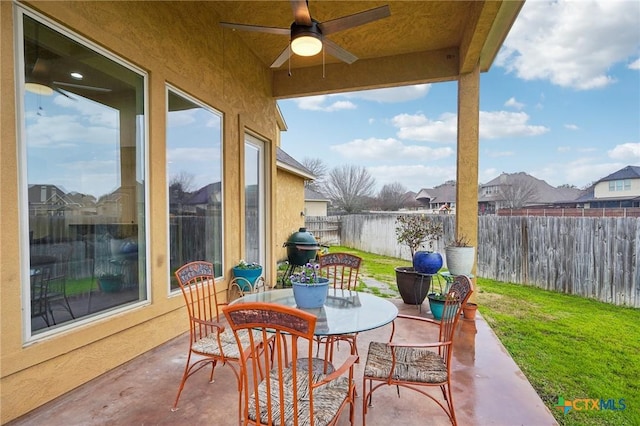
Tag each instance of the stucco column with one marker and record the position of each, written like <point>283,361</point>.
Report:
<point>467,158</point>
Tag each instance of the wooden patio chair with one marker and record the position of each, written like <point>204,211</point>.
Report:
<point>342,269</point>
<point>209,339</point>
<point>418,366</point>
<point>283,390</point>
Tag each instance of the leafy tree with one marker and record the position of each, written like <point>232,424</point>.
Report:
<point>349,187</point>
<point>567,185</point>
<point>392,196</point>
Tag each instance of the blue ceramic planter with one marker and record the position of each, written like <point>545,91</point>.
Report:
<point>310,295</point>
<point>250,275</point>
<point>427,262</point>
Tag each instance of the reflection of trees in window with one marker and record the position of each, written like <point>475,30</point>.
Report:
<point>194,168</point>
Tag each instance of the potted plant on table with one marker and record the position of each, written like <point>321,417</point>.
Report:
<point>414,231</point>
<point>309,288</point>
<point>245,274</point>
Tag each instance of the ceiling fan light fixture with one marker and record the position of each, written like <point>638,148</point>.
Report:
<point>38,89</point>
<point>306,41</point>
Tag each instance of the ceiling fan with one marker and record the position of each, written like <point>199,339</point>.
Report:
<point>40,82</point>
<point>308,36</point>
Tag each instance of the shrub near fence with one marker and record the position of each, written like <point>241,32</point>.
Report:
<point>589,257</point>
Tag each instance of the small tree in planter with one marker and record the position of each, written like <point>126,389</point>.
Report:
<point>460,256</point>
<point>414,231</point>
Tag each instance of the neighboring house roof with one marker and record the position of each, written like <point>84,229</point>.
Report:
<point>629,172</point>
<point>287,162</point>
<point>545,193</point>
<point>445,193</point>
<point>206,194</point>
<point>311,195</point>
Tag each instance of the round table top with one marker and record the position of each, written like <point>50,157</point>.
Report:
<point>344,312</point>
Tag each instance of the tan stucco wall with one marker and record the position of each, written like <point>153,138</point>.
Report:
<point>290,196</point>
<point>194,57</point>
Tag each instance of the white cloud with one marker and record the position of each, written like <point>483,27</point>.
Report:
<point>181,118</point>
<point>571,43</point>
<point>571,127</point>
<point>635,65</point>
<point>321,103</point>
<point>563,149</point>
<point>627,152</point>
<point>493,125</point>
<point>501,124</point>
<point>392,94</point>
<point>511,102</point>
<point>389,149</point>
<point>420,128</point>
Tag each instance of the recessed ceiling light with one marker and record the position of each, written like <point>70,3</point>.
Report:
<point>76,75</point>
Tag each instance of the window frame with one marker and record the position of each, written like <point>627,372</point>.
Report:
<point>19,12</point>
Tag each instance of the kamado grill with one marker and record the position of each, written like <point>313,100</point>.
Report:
<point>301,249</point>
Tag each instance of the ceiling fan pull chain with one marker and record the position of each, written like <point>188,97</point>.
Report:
<point>289,60</point>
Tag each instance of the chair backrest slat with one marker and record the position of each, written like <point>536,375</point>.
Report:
<point>342,269</point>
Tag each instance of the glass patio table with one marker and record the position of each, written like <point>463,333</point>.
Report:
<point>344,312</point>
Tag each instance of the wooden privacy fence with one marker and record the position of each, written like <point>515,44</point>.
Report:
<point>325,229</point>
<point>589,257</point>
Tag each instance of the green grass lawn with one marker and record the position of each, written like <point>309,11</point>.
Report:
<point>567,346</point>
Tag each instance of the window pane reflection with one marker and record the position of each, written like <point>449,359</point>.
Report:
<point>194,169</point>
<point>84,120</point>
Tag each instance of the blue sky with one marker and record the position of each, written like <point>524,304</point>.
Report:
<point>561,102</point>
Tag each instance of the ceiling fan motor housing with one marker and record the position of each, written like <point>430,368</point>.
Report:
<point>306,40</point>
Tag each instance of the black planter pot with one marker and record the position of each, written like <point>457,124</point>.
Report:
<point>413,287</point>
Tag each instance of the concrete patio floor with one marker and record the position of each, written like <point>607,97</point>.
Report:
<point>488,389</point>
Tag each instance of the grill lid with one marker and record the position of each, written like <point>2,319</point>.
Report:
<point>302,240</point>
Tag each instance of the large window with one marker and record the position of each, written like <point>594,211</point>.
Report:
<point>83,177</point>
<point>194,169</point>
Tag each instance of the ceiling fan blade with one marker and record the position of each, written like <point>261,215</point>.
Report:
<point>338,52</point>
<point>361,18</point>
<point>80,86</point>
<point>257,28</point>
<point>301,14</point>
<point>282,58</point>
<point>40,67</point>
<point>57,89</point>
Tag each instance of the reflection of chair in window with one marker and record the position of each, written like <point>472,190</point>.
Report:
<point>56,293</point>
<point>39,273</point>
<point>282,392</point>
<point>124,258</point>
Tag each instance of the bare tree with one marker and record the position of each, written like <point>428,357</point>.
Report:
<point>319,169</point>
<point>349,187</point>
<point>518,193</point>
<point>180,186</point>
<point>392,196</point>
